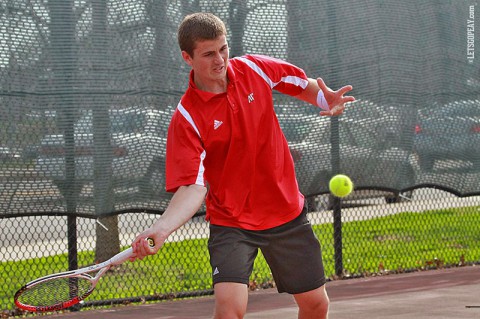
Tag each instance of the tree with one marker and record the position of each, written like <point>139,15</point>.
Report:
<point>107,237</point>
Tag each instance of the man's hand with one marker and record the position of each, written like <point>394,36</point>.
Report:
<point>141,247</point>
<point>335,99</point>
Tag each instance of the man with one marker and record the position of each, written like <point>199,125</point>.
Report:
<point>224,141</point>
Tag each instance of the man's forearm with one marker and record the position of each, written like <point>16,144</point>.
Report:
<point>184,204</point>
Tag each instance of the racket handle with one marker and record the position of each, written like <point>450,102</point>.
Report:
<point>121,257</point>
<point>127,253</point>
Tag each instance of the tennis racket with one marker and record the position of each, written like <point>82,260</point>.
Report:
<point>62,290</point>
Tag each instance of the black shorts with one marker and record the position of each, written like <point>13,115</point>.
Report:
<point>291,250</point>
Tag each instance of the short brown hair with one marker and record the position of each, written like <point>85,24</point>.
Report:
<point>197,27</point>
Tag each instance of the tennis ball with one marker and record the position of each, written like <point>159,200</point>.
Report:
<point>341,185</point>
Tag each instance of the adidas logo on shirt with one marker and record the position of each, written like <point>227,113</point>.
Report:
<point>216,124</point>
<point>216,272</point>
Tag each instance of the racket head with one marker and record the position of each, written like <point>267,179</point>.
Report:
<point>55,292</point>
<point>63,290</point>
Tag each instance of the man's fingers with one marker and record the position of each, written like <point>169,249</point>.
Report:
<point>341,91</point>
<point>348,99</point>
<point>336,96</point>
<point>344,90</point>
<point>337,110</point>
<point>322,85</point>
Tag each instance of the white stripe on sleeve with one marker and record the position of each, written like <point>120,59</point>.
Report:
<point>290,79</point>
<point>201,169</point>
<point>295,80</point>
<point>257,69</point>
<point>188,117</point>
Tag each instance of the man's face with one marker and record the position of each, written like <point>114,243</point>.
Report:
<point>210,59</point>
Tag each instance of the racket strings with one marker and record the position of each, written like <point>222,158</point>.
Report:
<point>55,291</point>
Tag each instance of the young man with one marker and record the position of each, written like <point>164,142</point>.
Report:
<point>225,142</point>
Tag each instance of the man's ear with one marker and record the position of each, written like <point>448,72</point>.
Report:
<point>187,58</point>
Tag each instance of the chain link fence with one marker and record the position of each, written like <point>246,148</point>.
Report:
<point>87,89</point>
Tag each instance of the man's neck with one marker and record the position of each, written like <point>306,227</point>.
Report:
<point>217,87</point>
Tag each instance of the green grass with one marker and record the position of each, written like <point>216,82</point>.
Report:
<point>402,241</point>
<point>406,241</point>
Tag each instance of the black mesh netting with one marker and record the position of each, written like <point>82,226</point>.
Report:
<point>87,89</point>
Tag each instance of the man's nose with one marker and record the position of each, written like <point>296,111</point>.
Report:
<point>218,57</point>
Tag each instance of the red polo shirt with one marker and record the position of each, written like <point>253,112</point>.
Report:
<point>232,143</point>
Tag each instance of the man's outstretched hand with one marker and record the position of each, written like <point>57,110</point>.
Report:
<point>335,99</point>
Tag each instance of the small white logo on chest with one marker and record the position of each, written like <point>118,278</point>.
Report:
<point>216,124</point>
<point>250,98</point>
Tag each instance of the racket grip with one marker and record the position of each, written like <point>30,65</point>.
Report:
<point>121,257</point>
<point>127,253</point>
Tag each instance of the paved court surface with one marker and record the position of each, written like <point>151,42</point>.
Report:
<point>440,294</point>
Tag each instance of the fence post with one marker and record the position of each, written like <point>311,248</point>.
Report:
<point>337,209</point>
<point>63,48</point>
<point>337,235</point>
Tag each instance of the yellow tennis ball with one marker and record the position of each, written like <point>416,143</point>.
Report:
<point>341,185</point>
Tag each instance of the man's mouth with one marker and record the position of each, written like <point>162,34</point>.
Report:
<point>219,69</point>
